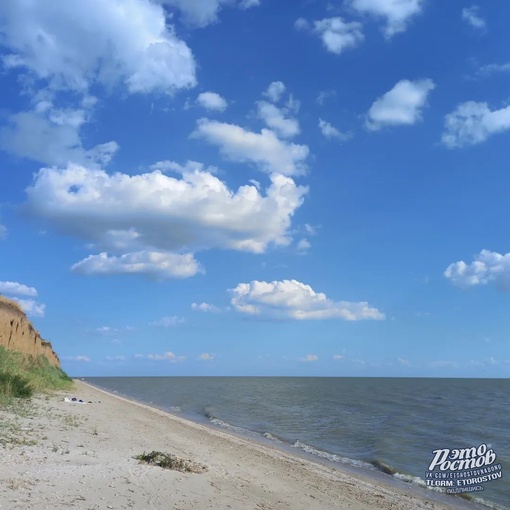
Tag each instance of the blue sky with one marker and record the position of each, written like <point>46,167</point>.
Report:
<point>246,187</point>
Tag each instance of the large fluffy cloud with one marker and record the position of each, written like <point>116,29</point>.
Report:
<point>336,34</point>
<point>168,217</point>
<point>75,44</point>
<point>488,267</point>
<point>397,13</point>
<point>402,105</point>
<point>264,149</point>
<point>472,123</point>
<point>290,299</point>
<point>201,13</point>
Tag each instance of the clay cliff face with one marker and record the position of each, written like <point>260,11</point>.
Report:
<point>18,334</point>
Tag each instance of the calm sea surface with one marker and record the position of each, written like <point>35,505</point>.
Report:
<point>356,421</point>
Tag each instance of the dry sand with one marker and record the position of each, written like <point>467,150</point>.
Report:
<point>57,455</point>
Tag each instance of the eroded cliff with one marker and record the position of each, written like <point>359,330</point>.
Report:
<point>18,334</point>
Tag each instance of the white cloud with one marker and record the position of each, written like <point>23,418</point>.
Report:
<point>75,45</point>
<point>290,299</point>
<point>82,358</point>
<point>200,13</point>
<point>264,149</point>
<point>212,101</point>
<point>168,322</point>
<point>331,132</point>
<point>167,216</point>
<point>204,307</point>
<point>52,136</point>
<point>275,91</point>
<point>205,356</point>
<point>336,34</point>
<point>338,356</point>
<point>17,289</point>
<point>472,123</point>
<point>324,95</point>
<point>397,13</point>
<point>471,16</point>
<point>166,356</point>
<point>494,68</point>
<point>116,358</point>
<point>3,231</point>
<point>402,105</point>
<point>149,263</point>
<point>309,358</point>
<point>303,245</point>
<point>488,267</point>
<point>276,119</point>
<point>31,307</point>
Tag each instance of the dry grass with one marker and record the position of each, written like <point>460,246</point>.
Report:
<point>11,303</point>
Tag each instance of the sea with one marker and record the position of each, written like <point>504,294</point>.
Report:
<point>391,425</point>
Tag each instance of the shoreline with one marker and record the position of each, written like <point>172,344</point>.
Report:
<point>82,457</point>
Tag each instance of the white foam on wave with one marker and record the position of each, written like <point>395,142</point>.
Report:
<point>331,456</point>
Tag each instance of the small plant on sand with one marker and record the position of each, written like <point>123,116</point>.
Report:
<point>169,461</point>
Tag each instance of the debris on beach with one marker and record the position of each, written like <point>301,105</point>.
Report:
<point>169,461</point>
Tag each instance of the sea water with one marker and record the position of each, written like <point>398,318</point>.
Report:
<point>392,424</point>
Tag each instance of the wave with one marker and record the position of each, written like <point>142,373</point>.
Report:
<point>331,456</point>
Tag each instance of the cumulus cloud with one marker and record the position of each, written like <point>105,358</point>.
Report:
<point>336,34</point>
<point>331,132</point>
<point>17,289</point>
<point>472,17</point>
<point>397,13</point>
<point>168,219</point>
<point>31,307</point>
<point>200,13</point>
<point>472,123</point>
<point>75,45</point>
<point>204,307</point>
<point>290,299</point>
<point>309,358</point>
<point>168,322</point>
<point>487,267</point>
<point>51,136</point>
<point>264,149</point>
<point>276,119</point>
<point>206,356</point>
<point>402,105</point>
<point>275,91</point>
<point>14,290</point>
<point>212,101</point>
<point>149,263</point>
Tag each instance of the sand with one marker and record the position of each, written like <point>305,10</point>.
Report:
<point>58,455</point>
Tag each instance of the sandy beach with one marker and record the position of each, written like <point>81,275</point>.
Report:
<point>61,455</point>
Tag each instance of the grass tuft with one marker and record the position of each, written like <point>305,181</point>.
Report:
<point>21,375</point>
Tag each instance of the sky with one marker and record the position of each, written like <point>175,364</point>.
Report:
<point>251,187</point>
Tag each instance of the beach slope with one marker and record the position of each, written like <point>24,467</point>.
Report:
<point>61,455</point>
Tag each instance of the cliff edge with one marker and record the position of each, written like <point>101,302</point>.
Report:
<point>18,334</point>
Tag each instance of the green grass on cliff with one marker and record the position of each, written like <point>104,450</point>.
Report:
<point>22,375</point>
